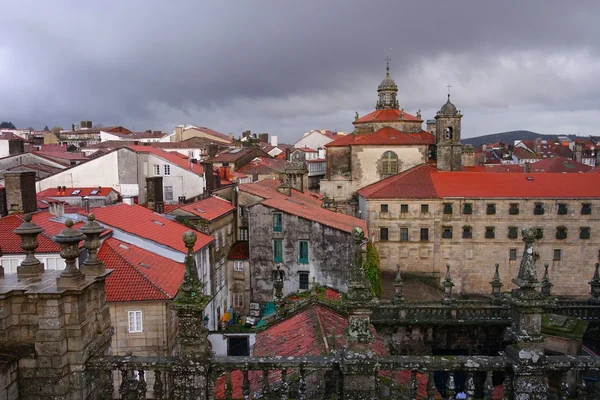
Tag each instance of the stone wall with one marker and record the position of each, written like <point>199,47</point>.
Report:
<point>473,260</point>
<point>402,126</point>
<point>329,253</point>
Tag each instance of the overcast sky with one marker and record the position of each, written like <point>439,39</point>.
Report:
<point>285,67</point>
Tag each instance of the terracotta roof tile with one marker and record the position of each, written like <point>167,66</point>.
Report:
<point>138,274</point>
<point>560,165</point>
<point>209,209</point>
<point>263,165</point>
<point>145,223</point>
<point>385,136</point>
<point>209,131</point>
<point>425,181</point>
<point>232,155</point>
<point>83,191</point>
<point>387,116</point>
<point>303,205</point>
<point>239,251</point>
<point>173,158</point>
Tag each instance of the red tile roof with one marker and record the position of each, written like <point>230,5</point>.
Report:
<point>239,251</point>
<point>138,274</point>
<point>10,136</point>
<point>209,209</point>
<point>263,165</point>
<point>385,136</point>
<point>387,116</point>
<point>232,155</point>
<point>426,182</point>
<point>523,154</point>
<point>83,191</point>
<point>306,149</point>
<point>145,223</point>
<point>170,157</point>
<point>63,155</point>
<point>304,205</point>
<point>560,165</point>
<point>210,132</point>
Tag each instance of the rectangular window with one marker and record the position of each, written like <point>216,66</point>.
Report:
<point>512,254</point>
<point>238,266</point>
<point>586,209</point>
<point>383,234</point>
<point>447,232</point>
<point>243,212</point>
<point>562,209</point>
<point>584,232</point>
<point>303,251</point>
<point>303,280</point>
<point>468,208</point>
<point>561,232</point>
<point>384,208</point>
<point>491,209</point>
<point>424,234</point>
<point>424,208</point>
<point>238,300</point>
<point>135,321</point>
<point>277,250</point>
<point>447,208</point>
<point>404,234</point>
<point>168,193</point>
<point>277,222</point>
<point>404,208</point>
<point>557,255</point>
<point>156,169</point>
<point>490,232</point>
<point>539,233</point>
<point>538,209</point>
<point>167,169</point>
<point>244,234</point>
<point>467,232</point>
<point>514,209</point>
<point>513,232</point>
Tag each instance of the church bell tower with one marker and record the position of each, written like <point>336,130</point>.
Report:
<point>387,92</point>
<point>449,149</point>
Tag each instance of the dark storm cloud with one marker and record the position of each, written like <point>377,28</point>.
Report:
<point>287,67</point>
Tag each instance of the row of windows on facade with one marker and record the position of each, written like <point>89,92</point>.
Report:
<point>490,233</point>
<point>166,169</point>
<point>538,209</point>
<point>302,251</point>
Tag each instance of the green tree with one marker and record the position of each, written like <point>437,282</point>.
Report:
<point>373,270</point>
<point>56,129</point>
<point>8,125</point>
<point>46,129</point>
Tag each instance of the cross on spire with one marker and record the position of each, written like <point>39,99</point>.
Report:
<point>387,66</point>
<point>449,86</point>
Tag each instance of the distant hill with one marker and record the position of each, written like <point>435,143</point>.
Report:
<point>510,137</point>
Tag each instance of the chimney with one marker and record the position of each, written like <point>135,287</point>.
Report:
<point>209,176</point>
<point>230,136</point>
<point>246,133</point>
<point>264,137</point>
<point>154,193</point>
<point>57,208</point>
<point>578,152</point>
<point>86,204</point>
<point>287,154</point>
<point>178,134</point>
<point>212,150</point>
<point>537,148</point>
<point>285,188</point>
<point>527,167</point>
<point>274,140</point>
<point>20,191</point>
<point>3,208</point>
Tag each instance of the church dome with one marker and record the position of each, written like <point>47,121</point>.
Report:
<point>448,108</point>
<point>387,83</point>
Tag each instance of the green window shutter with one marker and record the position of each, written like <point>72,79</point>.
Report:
<point>277,222</point>
<point>277,250</point>
<point>303,251</point>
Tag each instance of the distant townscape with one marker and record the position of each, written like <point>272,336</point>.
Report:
<point>444,220</point>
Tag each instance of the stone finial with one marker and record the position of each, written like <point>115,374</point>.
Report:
<point>546,284</point>
<point>92,266</point>
<point>69,239</point>
<point>358,288</point>
<point>527,278</point>
<point>398,285</point>
<point>447,284</point>
<point>189,305</point>
<point>496,284</point>
<point>29,231</point>
<point>595,285</point>
<point>419,114</point>
<point>278,286</point>
<point>356,116</point>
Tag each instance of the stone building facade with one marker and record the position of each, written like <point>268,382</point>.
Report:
<point>424,219</point>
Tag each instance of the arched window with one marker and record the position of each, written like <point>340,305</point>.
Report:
<point>389,163</point>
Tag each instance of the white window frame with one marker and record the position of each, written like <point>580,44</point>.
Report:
<point>238,266</point>
<point>156,170</point>
<point>133,325</point>
<point>167,169</point>
<point>171,197</point>
<point>238,300</point>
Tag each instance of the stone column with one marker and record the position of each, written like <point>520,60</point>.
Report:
<point>192,337</point>
<point>69,240</point>
<point>92,266</point>
<point>530,381</point>
<point>28,231</point>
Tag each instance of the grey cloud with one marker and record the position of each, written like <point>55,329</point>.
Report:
<point>286,67</point>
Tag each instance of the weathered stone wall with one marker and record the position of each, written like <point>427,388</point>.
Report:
<point>9,381</point>
<point>239,283</point>
<point>472,260</point>
<point>329,253</point>
<point>402,126</point>
<point>338,162</point>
